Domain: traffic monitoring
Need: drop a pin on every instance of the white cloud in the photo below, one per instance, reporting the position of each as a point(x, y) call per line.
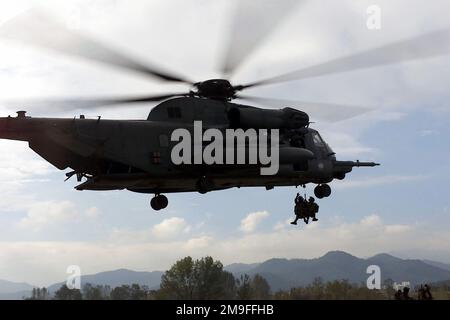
point(399, 228)
point(346, 145)
point(123, 235)
point(375, 181)
point(251, 221)
point(198, 243)
point(45, 262)
point(368, 236)
point(18, 162)
point(279, 226)
point(19, 167)
point(170, 228)
point(371, 221)
point(46, 214)
point(92, 212)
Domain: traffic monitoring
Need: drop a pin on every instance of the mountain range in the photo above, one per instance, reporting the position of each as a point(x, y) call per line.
point(336, 265)
point(14, 290)
point(281, 274)
point(117, 278)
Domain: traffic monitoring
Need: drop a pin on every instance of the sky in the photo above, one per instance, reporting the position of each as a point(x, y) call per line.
point(401, 207)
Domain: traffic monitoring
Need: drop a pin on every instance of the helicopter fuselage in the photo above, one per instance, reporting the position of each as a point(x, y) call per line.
point(136, 154)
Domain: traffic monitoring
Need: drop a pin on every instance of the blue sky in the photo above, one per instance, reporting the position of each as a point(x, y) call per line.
point(400, 207)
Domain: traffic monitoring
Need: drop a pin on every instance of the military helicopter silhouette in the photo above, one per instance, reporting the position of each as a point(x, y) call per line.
point(134, 155)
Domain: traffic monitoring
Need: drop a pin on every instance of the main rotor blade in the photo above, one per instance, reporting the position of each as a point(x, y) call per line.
point(38, 29)
point(322, 111)
point(85, 103)
point(425, 46)
point(253, 21)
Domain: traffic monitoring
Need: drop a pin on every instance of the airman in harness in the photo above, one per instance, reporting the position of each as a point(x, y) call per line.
point(305, 209)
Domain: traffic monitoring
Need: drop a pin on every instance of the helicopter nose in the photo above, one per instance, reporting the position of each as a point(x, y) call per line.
point(295, 155)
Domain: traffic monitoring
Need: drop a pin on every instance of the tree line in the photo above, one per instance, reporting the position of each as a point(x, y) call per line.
point(205, 279)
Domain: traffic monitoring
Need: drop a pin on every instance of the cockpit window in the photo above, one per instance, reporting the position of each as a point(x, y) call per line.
point(318, 140)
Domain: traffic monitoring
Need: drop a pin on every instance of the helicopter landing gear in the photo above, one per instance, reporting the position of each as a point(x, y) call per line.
point(322, 191)
point(159, 202)
point(204, 184)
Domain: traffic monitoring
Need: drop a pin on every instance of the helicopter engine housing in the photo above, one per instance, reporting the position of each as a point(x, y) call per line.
point(287, 118)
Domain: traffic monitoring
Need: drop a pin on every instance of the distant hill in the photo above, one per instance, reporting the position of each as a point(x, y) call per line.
point(338, 265)
point(19, 295)
point(9, 286)
point(287, 273)
point(240, 267)
point(14, 290)
point(416, 271)
point(441, 265)
point(117, 278)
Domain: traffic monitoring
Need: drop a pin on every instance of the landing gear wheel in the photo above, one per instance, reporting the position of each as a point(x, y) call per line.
point(318, 192)
point(322, 191)
point(159, 202)
point(162, 201)
point(326, 190)
point(153, 203)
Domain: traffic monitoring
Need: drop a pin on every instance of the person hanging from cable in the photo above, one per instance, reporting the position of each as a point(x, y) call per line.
point(299, 209)
point(313, 209)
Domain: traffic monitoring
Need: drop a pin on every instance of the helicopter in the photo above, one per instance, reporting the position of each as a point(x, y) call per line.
point(135, 155)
